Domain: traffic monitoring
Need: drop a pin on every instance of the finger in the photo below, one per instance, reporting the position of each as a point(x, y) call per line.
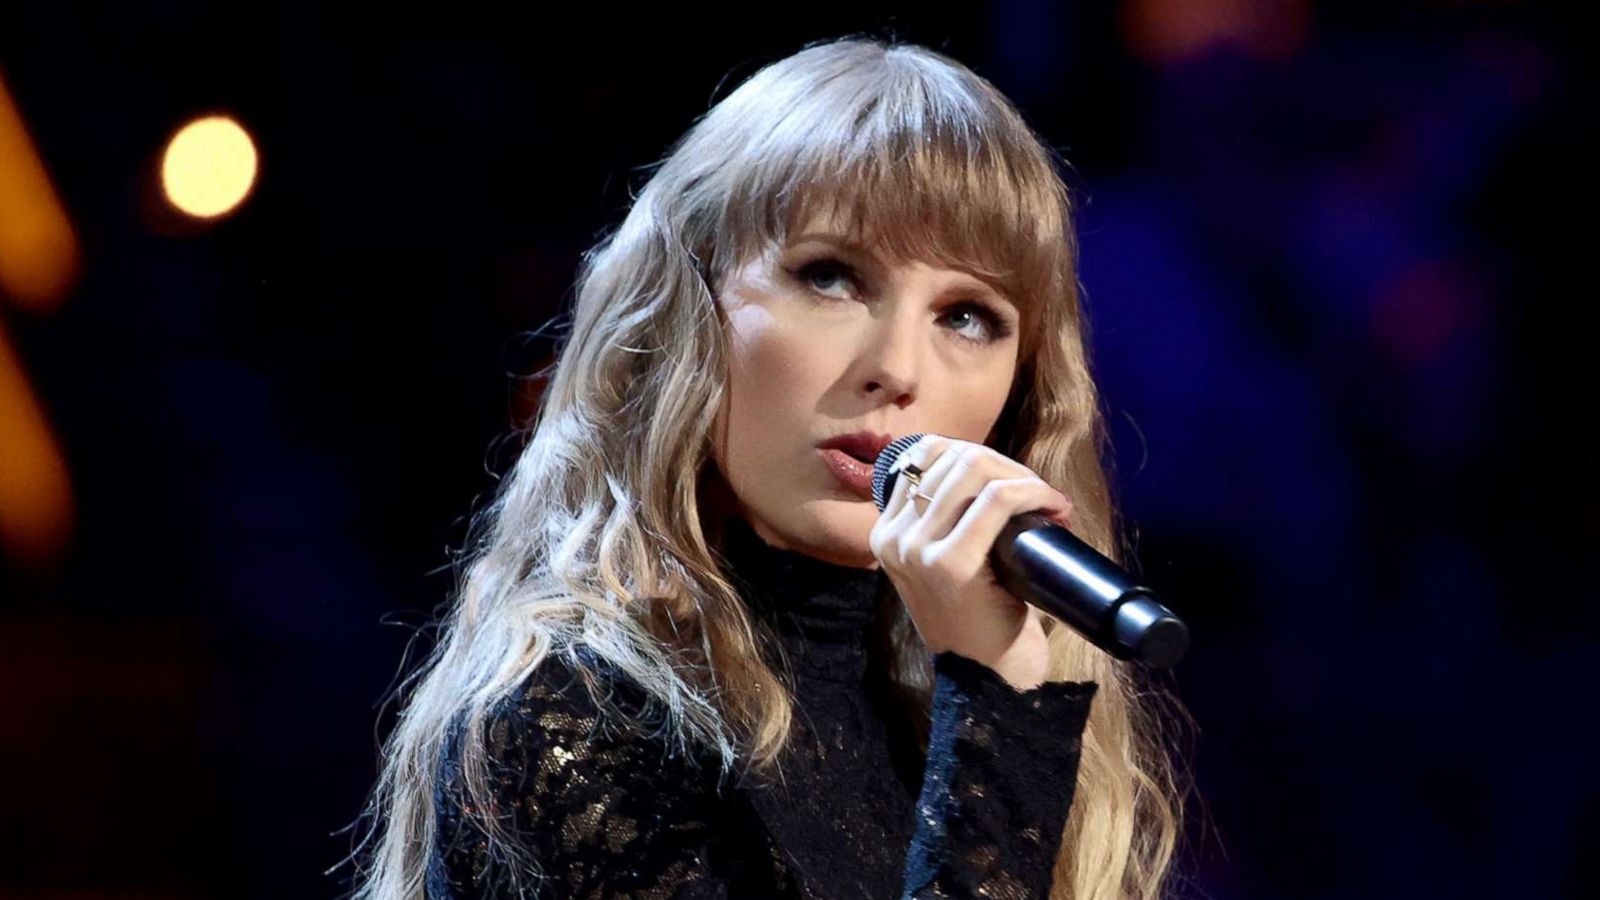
point(924, 454)
point(958, 484)
point(898, 492)
point(893, 520)
point(978, 464)
point(972, 467)
point(944, 456)
point(1063, 518)
point(885, 529)
point(919, 452)
point(897, 496)
point(995, 505)
point(939, 460)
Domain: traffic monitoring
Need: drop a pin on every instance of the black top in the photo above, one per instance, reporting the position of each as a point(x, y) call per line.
point(608, 813)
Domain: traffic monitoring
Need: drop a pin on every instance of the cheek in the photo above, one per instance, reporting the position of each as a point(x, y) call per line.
point(774, 377)
point(774, 365)
point(979, 402)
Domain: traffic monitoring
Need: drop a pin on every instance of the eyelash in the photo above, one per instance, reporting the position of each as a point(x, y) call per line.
point(999, 328)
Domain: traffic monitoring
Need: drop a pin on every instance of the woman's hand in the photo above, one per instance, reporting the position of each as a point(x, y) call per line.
point(938, 558)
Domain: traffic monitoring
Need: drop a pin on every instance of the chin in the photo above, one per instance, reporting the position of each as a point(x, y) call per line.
point(845, 530)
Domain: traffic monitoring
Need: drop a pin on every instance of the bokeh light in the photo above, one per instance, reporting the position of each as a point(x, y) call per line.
point(209, 167)
point(39, 255)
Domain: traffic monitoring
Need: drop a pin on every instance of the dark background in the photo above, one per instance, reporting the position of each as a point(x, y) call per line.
point(1337, 258)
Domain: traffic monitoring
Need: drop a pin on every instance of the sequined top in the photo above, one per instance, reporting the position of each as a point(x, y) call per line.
point(859, 811)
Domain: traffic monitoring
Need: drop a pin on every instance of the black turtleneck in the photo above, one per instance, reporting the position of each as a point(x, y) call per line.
point(611, 813)
point(820, 612)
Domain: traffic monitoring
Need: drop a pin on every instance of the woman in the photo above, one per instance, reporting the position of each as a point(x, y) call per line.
point(690, 657)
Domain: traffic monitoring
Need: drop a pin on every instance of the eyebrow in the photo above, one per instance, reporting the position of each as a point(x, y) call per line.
point(838, 240)
point(853, 246)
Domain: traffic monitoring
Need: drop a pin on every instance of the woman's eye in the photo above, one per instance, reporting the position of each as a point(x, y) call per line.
point(973, 321)
point(824, 271)
point(994, 326)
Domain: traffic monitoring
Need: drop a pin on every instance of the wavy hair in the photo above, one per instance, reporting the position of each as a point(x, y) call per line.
point(602, 538)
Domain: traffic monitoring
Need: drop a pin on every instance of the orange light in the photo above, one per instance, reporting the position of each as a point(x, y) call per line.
point(38, 250)
point(39, 264)
point(36, 505)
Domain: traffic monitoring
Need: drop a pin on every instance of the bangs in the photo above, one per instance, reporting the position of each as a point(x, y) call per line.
point(915, 163)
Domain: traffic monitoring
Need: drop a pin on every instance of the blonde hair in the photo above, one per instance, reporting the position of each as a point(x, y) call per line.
point(598, 539)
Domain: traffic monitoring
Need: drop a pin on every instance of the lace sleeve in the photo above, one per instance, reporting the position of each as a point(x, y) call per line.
point(602, 813)
point(1001, 772)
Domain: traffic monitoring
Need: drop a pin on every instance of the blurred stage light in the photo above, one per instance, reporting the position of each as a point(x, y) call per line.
point(209, 167)
point(1174, 31)
point(38, 249)
point(36, 503)
point(39, 265)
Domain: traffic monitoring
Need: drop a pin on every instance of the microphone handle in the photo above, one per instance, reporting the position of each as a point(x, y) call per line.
point(1044, 564)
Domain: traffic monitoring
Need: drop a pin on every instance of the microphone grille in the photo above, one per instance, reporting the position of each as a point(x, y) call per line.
point(882, 478)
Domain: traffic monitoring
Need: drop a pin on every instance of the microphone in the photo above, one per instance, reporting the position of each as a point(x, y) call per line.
point(1049, 567)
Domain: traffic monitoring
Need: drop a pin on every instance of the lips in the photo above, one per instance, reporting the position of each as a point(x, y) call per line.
point(863, 446)
point(851, 472)
point(850, 457)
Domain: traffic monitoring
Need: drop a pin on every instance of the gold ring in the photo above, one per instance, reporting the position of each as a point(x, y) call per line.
point(913, 474)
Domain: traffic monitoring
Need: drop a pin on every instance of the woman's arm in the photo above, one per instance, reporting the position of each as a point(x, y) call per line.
point(1000, 777)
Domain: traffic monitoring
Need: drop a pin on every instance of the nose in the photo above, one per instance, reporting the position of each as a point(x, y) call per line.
point(891, 355)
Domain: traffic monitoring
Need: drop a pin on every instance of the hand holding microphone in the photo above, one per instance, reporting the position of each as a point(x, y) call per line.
point(936, 554)
point(977, 563)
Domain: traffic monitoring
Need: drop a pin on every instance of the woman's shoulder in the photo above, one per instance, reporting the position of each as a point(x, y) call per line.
point(571, 783)
point(570, 693)
point(559, 743)
point(577, 714)
point(571, 681)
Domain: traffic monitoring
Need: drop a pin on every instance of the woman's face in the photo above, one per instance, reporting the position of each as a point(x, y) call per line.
point(829, 339)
